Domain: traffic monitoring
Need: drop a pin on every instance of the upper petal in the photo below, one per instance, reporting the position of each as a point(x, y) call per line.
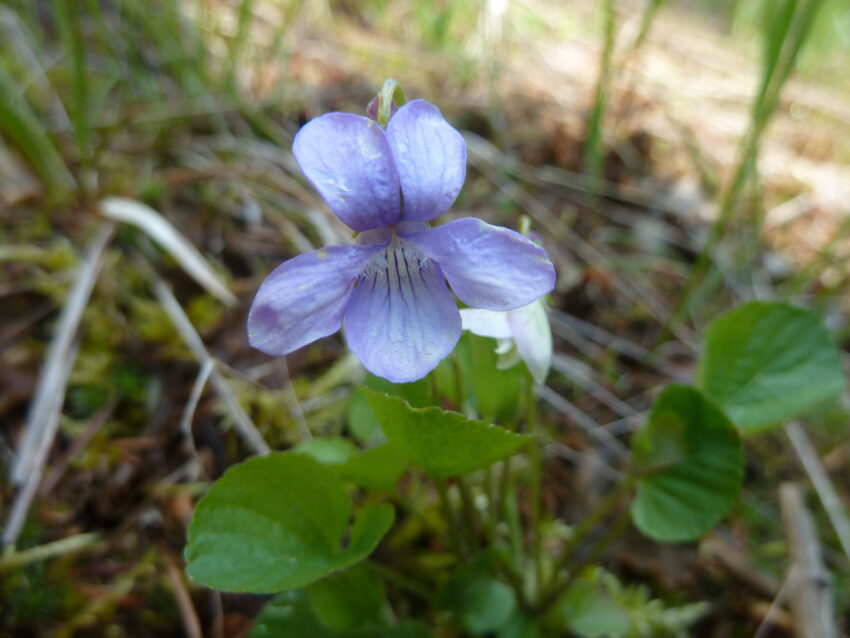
point(486, 323)
point(533, 337)
point(487, 266)
point(304, 298)
point(430, 157)
point(401, 320)
point(348, 160)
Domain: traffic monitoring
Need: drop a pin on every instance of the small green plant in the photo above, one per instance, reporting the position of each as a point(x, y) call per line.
point(303, 523)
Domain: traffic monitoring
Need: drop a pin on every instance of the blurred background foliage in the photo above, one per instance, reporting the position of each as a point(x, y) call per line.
point(677, 156)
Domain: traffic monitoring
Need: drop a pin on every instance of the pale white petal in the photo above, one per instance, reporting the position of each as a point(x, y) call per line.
point(508, 355)
point(486, 323)
point(533, 336)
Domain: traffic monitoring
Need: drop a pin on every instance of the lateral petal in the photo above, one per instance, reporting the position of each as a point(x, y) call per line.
point(304, 298)
point(487, 266)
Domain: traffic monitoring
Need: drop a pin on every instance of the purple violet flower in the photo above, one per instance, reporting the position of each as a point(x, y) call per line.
point(389, 287)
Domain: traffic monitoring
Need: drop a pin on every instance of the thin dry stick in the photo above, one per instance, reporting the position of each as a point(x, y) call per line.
point(188, 615)
point(582, 376)
point(601, 336)
point(189, 412)
point(292, 399)
point(43, 418)
point(57, 471)
point(571, 454)
point(69, 545)
point(244, 426)
point(161, 231)
point(766, 623)
point(589, 425)
point(820, 480)
point(811, 599)
point(49, 393)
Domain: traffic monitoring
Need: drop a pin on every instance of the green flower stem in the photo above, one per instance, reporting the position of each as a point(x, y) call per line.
point(536, 479)
point(395, 576)
point(492, 507)
point(558, 588)
point(451, 518)
point(390, 92)
point(611, 500)
point(504, 486)
point(472, 522)
point(514, 526)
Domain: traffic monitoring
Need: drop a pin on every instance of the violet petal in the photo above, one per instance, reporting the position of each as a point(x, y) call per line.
point(348, 160)
point(304, 298)
point(487, 266)
point(401, 320)
point(430, 157)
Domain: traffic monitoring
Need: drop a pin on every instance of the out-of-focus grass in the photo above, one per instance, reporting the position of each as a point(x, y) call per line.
point(594, 152)
point(787, 27)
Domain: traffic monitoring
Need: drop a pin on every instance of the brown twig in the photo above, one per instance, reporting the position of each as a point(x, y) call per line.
point(820, 480)
point(811, 600)
point(188, 615)
point(243, 424)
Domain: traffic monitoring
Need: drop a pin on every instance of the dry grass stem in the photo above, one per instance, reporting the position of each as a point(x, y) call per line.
point(242, 422)
point(46, 406)
point(835, 509)
point(163, 233)
point(811, 599)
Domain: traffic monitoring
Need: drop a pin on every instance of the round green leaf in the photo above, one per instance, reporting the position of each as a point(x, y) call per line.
point(590, 611)
point(692, 464)
point(441, 443)
point(349, 600)
point(765, 362)
point(275, 523)
point(477, 601)
point(289, 614)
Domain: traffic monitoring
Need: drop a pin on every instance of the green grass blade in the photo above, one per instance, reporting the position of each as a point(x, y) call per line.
point(594, 152)
point(73, 41)
point(22, 130)
point(243, 23)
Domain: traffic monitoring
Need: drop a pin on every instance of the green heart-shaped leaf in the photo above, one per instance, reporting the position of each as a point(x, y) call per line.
point(441, 443)
point(275, 523)
point(328, 450)
point(765, 362)
point(378, 468)
point(362, 422)
point(691, 458)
